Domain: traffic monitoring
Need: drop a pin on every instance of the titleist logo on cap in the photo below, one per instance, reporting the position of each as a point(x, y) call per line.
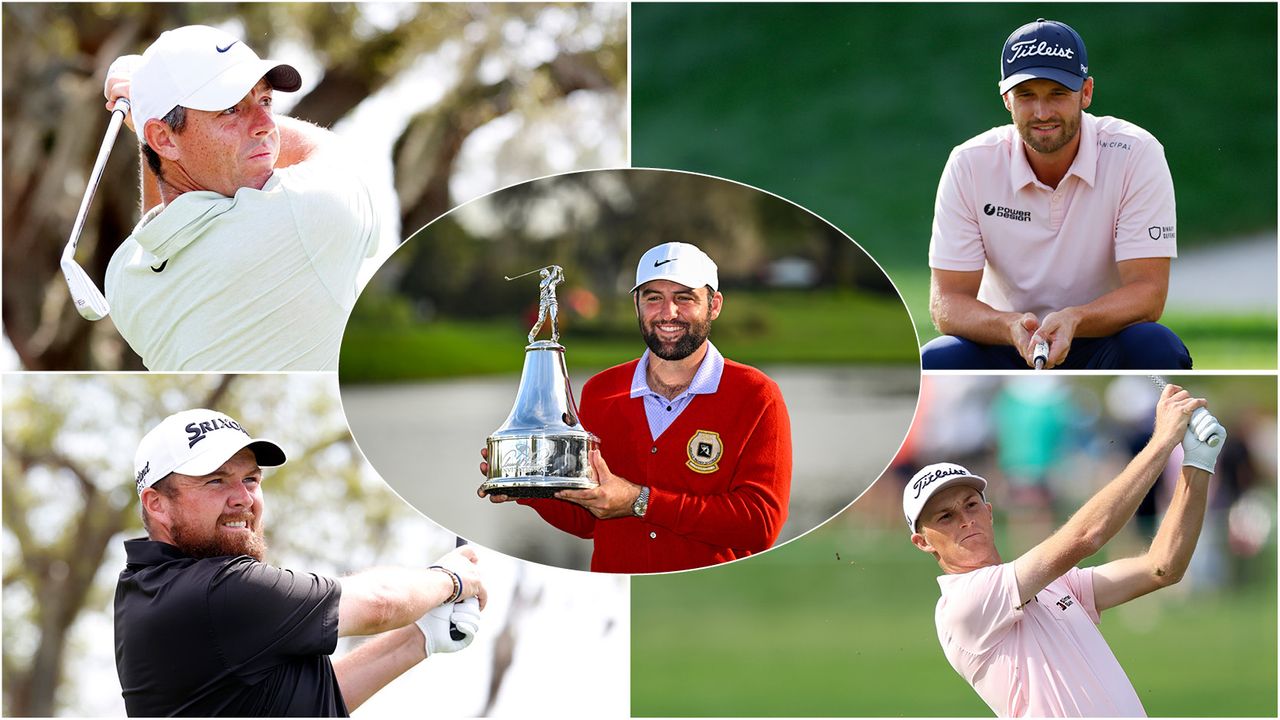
point(1031, 48)
point(197, 431)
point(928, 479)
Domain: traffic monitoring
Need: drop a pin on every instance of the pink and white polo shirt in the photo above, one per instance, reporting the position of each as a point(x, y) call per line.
point(1046, 248)
point(1047, 659)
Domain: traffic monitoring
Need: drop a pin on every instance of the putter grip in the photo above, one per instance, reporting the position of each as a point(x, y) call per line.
point(1214, 439)
point(454, 632)
point(1041, 354)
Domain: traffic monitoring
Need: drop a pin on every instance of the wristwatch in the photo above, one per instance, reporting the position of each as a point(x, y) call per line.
point(641, 505)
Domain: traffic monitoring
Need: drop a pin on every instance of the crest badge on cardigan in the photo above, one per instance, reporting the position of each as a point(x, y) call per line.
point(705, 450)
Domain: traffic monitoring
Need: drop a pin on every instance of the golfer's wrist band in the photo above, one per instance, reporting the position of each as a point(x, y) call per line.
point(457, 583)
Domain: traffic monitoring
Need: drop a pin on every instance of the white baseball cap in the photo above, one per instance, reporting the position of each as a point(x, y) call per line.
point(196, 442)
point(680, 263)
point(201, 68)
point(930, 480)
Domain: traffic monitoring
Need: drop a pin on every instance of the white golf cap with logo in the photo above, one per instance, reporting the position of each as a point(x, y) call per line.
point(931, 479)
point(680, 263)
point(201, 68)
point(196, 442)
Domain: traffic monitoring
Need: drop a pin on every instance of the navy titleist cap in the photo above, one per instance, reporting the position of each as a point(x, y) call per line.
point(1044, 49)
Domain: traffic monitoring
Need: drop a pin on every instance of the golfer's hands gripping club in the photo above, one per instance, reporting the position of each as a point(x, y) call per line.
point(116, 85)
point(453, 625)
point(1052, 339)
point(1173, 413)
point(439, 624)
point(1041, 352)
point(1202, 441)
point(463, 562)
point(1023, 333)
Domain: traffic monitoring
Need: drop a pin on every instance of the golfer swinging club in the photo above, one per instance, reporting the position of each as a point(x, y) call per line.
point(204, 627)
point(548, 278)
point(1025, 633)
point(254, 225)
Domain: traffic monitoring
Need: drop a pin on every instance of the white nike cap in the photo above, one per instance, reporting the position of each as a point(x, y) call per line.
point(201, 68)
point(930, 480)
point(196, 442)
point(680, 263)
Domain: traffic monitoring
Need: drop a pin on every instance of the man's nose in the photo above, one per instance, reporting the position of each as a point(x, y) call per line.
point(241, 496)
point(263, 121)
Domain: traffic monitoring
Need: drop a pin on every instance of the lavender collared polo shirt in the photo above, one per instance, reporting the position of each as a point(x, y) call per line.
point(661, 412)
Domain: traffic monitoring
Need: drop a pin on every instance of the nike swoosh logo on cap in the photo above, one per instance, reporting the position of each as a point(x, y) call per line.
point(155, 269)
point(222, 50)
point(664, 262)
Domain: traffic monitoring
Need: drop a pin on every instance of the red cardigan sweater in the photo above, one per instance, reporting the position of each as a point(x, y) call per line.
point(719, 477)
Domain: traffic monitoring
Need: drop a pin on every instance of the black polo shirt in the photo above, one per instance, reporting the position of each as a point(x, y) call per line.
point(225, 636)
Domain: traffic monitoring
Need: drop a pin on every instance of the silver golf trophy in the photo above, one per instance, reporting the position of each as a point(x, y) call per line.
point(542, 447)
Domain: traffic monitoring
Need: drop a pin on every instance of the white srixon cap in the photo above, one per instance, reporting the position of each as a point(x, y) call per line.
point(201, 68)
point(680, 263)
point(196, 442)
point(930, 480)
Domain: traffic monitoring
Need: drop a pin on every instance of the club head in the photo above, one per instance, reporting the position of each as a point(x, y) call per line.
point(88, 299)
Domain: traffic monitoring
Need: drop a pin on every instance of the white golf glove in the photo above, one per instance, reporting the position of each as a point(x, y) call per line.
point(1195, 443)
point(436, 626)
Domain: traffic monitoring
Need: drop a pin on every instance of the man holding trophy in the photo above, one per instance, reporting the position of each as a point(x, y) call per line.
point(693, 466)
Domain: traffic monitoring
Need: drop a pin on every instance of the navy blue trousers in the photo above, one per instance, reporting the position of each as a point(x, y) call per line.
point(1144, 346)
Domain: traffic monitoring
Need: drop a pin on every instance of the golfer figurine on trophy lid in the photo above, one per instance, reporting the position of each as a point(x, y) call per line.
point(542, 447)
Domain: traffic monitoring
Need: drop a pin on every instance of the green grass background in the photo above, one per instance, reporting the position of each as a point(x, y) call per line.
point(764, 328)
point(851, 111)
point(840, 623)
point(1244, 341)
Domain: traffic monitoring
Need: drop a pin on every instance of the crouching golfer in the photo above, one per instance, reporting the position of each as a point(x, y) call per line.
point(1024, 633)
point(204, 627)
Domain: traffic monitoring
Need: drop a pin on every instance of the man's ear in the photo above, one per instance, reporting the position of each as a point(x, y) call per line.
point(1008, 105)
point(157, 507)
point(1086, 93)
point(919, 541)
point(717, 303)
point(161, 138)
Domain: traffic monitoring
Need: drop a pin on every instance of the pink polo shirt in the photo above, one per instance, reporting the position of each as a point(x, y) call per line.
point(1046, 248)
point(1047, 659)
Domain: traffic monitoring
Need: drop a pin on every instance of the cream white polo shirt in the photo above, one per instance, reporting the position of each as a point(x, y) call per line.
point(260, 281)
point(1046, 659)
point(1043, 248)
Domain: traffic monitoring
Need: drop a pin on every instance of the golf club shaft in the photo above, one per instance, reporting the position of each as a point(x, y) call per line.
point(454, 632)
point(108, 141)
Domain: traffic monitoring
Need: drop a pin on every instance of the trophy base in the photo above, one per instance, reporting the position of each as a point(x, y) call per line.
point(528, 492)
point(543, 488)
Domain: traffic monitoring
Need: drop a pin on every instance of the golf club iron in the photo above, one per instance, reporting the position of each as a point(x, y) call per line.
point(89, 301)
